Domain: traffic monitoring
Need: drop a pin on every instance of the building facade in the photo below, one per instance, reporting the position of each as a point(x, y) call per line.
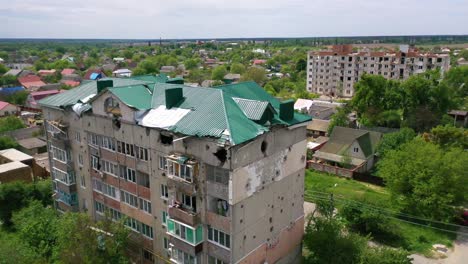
point(202, 175)
point(334, 72)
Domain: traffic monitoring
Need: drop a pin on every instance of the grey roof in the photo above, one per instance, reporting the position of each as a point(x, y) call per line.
point(30, 143)
point(318, 125)
point(14, 165)
point(232, 76)
point(342, 138)
point(15, 155)
point(14, 72)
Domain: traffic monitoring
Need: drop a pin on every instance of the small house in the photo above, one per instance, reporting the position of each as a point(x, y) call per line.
point(348, 148)
point(7, 109)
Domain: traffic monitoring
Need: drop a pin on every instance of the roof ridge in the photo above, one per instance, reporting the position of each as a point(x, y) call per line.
point(228, 125)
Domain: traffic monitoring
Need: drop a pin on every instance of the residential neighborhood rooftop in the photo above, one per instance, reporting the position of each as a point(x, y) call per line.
point(233, 113)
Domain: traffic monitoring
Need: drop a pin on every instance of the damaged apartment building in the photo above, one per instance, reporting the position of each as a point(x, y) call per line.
point(334, 72)
point(201, 175)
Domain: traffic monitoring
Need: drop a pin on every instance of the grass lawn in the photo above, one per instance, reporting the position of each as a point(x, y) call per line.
point(415, 239)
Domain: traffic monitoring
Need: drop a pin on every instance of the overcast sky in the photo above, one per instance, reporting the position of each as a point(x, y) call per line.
point(151, 19)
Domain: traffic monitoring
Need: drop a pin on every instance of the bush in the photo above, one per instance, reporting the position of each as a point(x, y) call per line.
point(371, 222)
point(385, 255)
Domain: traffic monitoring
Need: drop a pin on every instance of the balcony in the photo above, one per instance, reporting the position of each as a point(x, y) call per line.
point(188, 234)
point(186, 216)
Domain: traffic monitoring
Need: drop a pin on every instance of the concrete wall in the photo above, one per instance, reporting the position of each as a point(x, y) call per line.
point(23, 132)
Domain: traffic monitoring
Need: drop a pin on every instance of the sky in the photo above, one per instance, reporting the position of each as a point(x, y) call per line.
point(179, 19)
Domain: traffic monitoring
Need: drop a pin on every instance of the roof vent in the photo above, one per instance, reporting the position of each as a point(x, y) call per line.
point(287, 110)
point(173, 97)
point(103, 84)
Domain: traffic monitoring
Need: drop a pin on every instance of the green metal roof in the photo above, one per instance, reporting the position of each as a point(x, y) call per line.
point(76, 94)
point(160, 78)
point(252, 109)
point(228, 112)
point(136, 96)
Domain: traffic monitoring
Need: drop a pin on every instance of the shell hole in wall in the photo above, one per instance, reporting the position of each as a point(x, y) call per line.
point(264, 146)
point(166, 139)
point(221, 154)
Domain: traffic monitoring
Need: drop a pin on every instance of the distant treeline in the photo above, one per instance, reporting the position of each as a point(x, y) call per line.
point(420, 39)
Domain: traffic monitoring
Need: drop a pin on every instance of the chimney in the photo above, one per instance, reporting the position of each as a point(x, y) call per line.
point(103, 84)
point(286, 110)
point(173, 96)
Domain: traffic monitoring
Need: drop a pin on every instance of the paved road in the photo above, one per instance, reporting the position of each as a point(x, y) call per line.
point(459, 254)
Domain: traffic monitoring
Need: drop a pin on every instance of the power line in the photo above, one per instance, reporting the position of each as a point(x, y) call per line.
point(388, 211)
point(410, 222)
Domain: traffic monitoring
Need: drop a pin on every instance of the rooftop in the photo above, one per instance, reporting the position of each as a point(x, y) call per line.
point(14, 155)
point(31, 143)
point(6, 167)
point(233, 113)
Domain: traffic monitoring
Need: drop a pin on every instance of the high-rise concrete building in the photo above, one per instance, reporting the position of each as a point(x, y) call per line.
point(334, 72)
point(203, 175)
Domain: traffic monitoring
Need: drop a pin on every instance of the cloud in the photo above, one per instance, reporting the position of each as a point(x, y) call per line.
point(218, 18)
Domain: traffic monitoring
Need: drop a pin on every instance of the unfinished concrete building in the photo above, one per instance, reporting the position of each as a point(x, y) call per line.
point(203, 175)
point(334, 72)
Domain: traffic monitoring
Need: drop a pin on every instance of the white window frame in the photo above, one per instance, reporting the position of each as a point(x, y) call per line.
point(128, 174)
point(162, 163)
point(67, 178)
point(110, 168)
point(129, 199)
point(108, 143)
point(95, 162)
point(142, 153)
point(145, 205)
point(80, 160)
point(216, 235)
point(77, 136)
point(147, 231)
point(173, 172)
point(59, 154)
point(164, 192)
point(82, 181)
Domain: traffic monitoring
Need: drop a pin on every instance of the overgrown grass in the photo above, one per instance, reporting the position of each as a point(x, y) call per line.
point(415, 239)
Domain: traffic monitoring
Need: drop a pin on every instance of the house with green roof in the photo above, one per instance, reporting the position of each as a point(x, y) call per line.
point(195, 170)
point(351, 148)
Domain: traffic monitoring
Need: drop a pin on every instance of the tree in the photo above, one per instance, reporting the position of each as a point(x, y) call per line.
point(17, 98)
point(7, 142)
point(191, 63)
point(36, 226)
point(340, 118)
point(449, 137)
point(3, 69)
point(327, 243)
point(301, 65)
point(16, 195)
point(426, 180)
point(93, 242)
point(10, 123)
point(255, 74)
point(218, 73)
point(392, 141)
point(237, 68)
point(13, 250)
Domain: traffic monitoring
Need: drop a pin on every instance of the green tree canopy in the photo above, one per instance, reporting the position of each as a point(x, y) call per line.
point(340, 118)
point(392, 141)
point(7, 142)
point(10, 123)
point(449, 136)
point(426, 180)
point(255, 74)
point(237, 68)
point(36, 226)
point(218, 73)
